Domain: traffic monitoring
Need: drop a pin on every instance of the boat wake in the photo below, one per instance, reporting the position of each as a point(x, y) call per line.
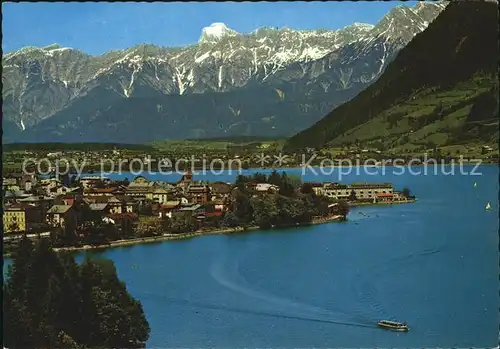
point(365, 289)
point(200, 305)
point(228, 276)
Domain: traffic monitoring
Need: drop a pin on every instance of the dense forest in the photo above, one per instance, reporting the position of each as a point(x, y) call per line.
point(292, 203)
point(50, 301)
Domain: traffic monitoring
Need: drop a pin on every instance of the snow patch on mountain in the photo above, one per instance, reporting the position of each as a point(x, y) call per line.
point(202, 57)
point(363, 26)
point(215, 32)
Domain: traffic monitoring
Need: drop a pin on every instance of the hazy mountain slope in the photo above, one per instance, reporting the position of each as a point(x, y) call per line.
point(60, 93)
point(442, 88)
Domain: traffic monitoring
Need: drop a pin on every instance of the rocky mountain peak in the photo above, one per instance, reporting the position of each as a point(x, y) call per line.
point(215, 32)
point(55, 91)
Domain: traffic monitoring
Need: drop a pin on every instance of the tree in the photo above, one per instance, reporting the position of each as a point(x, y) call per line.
point(438, 109)
point(307, 188)
point(145, 209)
point(275, 179)
point(182, 224)
point(74, 182)
point(259, 177)
point(57, 303)
point(241, 179)
point(241, 207)
point(149, 226)
point(100, 184)
point(343, 208)
point(230, 220)
point(352, 196)
point(406, 192)
point(286, 188)
point(265, 211)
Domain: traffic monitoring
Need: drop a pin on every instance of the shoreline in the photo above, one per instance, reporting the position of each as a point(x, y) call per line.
point(169, 237)
point(201, 171)
point(383, 203)
point(220, 231)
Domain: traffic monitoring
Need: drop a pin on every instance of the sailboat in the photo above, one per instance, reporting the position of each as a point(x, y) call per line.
point(475, 185)
point(488, 206)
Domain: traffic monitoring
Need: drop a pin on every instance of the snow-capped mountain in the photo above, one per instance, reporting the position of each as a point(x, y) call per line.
point(270, 82)
point(216, 32)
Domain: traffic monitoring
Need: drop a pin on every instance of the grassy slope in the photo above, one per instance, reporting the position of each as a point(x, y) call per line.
point(218, 144)
point(414, 123)
point(452, 63)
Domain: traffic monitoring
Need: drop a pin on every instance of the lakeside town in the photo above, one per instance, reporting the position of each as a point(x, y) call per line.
point(96, 211)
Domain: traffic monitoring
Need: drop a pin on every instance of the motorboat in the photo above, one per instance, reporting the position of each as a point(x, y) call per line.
point(394, 325)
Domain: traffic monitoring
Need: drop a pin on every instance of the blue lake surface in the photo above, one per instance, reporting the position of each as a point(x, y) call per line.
point(433, 264)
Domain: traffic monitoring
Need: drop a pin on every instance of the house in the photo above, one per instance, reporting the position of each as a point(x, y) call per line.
point(199, 193)
point(361, 191)
point(141, 187)
point(62, 190)
point(194, 210)
point(90, 181)
point(183, 199)
point(19, 216)
point(220, 189)
point(266, 187)
point(160, 195)
point(251, 185)
point(101, 209)
point(55, 154)
point(139, 181)
point(185, 180)
point(52, 186)
point(12, 196)
point(168, 208)
point(383, 197)
point(398, 196)
point(61, 215)
point(214, 214)
point(370, 190)
point(10, 184)
point(220, 204)
point(129, 205)
point(211, 218)
point(43, 203)
point(69, 199)
point(115, 205)
point(336, 191)
point(108, 191)
point(19, 181)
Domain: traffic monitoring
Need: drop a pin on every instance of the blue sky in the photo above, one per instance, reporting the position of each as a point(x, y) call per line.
point(99, 27)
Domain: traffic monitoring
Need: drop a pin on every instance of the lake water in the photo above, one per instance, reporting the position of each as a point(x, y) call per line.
point(433, 264)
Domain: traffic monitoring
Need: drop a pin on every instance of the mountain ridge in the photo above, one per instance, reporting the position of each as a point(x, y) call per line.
point(422, 99)
point(41, 84)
